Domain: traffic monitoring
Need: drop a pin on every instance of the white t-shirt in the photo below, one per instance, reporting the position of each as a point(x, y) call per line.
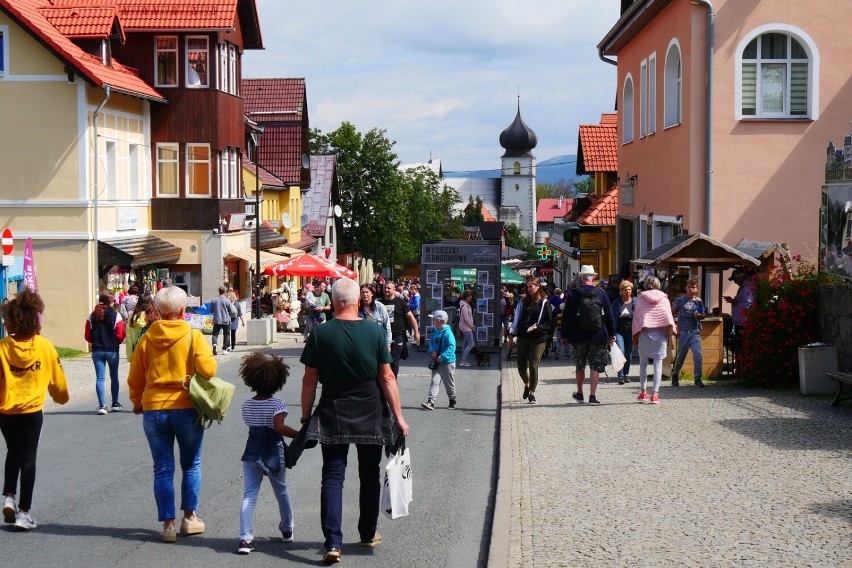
point(262, 412)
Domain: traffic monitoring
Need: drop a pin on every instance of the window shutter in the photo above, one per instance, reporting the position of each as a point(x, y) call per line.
point(799, 89)
point(749, 83)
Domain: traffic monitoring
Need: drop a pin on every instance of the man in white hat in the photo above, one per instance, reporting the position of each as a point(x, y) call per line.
point(588, 325)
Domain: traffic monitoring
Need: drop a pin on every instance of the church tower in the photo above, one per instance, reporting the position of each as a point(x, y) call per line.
point(517, 176)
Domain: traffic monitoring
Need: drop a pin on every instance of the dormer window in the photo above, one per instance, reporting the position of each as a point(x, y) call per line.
point(166, 61)
point(197, 68)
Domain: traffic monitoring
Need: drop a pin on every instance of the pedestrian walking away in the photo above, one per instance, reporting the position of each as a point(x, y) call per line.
point(265, 453)
point(105, 332)
point(588, 325)
point(622, 309)
point(442, 357)
point(532, 326)
point(163, 358)
point(689, 309)
point(237, 320)
point(29, 370)
point(653, 324)
point(359, 404)
point(144, 314)
point(223, 310)
point(398, 314)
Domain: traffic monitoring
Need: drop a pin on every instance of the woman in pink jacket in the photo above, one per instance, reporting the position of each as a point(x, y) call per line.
point(652, 325)
point(466, 326)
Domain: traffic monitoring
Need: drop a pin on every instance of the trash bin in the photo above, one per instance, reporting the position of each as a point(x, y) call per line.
point(814, 362)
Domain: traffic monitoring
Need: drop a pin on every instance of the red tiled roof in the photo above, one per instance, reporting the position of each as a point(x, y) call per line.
point(549, 209)
point(306, 243)
point(486, 215)
point(267, 179)
point(598, 148)
point(82, 22)
point(118, 78)
point(274, 100)
point(168, 14)
point(609, 118)
point(602, 211)
point(281, 151)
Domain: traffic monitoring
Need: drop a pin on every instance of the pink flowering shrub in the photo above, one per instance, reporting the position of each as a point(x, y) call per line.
point(783, 319)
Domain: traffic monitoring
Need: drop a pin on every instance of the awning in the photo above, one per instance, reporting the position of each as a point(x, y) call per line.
point(288, 251)
point(509, 276)
point(250, 256)
point(268, 238)
point(137, 251)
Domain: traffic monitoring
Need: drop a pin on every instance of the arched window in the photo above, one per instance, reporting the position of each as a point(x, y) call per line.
point(776, 74)
point(627, 115)
point(673, 86)
point(516, 168)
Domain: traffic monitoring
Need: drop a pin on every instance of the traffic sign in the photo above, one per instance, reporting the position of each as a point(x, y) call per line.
point(8, 243)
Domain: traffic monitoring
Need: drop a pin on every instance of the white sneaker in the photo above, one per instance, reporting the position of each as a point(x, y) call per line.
point(9, 510)
point(102, 410)
point(24, 521)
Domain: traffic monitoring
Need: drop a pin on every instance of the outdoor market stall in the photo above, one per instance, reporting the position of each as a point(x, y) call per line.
point(710, 256)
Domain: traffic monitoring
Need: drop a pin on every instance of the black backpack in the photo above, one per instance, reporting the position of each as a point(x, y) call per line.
point(590, 311)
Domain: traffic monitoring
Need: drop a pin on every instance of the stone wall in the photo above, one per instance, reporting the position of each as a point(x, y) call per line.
point(835, 320)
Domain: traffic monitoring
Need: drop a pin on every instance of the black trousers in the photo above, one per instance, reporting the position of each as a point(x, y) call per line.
point(396, 352)
point(22, 433)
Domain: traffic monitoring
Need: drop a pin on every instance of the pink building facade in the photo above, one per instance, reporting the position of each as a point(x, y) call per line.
point(780, 87)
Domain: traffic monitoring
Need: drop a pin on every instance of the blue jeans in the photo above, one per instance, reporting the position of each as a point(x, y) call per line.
point(625, 343)
point(688, 341)
point(468, 345)
point(253, 473)
point(102, 359)
point(162, 427)
point(331, 494)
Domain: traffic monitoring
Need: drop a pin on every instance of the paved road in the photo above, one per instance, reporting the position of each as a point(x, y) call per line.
point(95, 504)
point(720, 477)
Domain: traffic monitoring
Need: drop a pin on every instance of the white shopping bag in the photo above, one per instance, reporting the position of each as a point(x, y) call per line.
point(616, 357)
point(396, 489)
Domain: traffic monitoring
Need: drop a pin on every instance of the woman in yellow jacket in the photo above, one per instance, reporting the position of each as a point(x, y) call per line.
point(160, 362)
point(29, 369)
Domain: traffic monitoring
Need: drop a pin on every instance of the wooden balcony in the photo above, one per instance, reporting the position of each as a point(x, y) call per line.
point(177, 214)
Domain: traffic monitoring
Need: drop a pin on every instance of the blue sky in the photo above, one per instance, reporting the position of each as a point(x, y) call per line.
point(443, 77)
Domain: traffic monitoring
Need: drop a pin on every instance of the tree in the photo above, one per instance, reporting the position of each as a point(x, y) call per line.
point(584, 186)
point(473, 211)
point(516, 239)
point(387, 214)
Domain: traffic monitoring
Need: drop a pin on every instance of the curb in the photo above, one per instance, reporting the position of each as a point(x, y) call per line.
point(498, 550)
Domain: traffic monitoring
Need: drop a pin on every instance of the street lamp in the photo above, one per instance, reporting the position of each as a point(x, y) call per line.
point(255, 137)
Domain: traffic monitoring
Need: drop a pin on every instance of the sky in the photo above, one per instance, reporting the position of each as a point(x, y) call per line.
point(443, 78)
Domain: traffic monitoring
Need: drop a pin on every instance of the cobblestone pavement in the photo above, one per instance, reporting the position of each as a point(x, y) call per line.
point(720, 476)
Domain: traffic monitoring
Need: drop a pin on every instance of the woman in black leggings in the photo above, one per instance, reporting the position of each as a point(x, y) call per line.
point(29, 369)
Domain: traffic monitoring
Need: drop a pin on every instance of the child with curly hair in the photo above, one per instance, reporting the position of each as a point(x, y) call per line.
point(265, 452)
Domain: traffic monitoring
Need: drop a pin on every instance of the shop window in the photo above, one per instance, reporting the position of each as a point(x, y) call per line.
point(776, 74)
point(673, 86)
point(197, 62)
point(198, 170)
point(166, 61)
point(167, 170)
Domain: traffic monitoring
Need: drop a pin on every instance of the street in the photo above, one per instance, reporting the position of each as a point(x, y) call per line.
point(95, 506)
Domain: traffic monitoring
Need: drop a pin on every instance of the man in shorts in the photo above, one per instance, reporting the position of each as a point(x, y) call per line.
point(588, 341)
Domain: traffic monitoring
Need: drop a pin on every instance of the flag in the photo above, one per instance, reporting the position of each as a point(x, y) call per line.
point(29, 267)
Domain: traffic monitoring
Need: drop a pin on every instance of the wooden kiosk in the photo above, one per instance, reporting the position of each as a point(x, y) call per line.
point(710, 257)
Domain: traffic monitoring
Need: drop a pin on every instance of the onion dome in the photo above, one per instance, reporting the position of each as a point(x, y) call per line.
point(518, 139)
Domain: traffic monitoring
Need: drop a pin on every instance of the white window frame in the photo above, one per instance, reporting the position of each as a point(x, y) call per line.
point(232, 69)
point(176, 161)
point(222, 65)
point(224, 180)
point(190, 162)
point(157, 52)
point(190, 68)
point(628, 104)
point(812, 52)
point(133, 169)
point(111, 157)
point(233, 161)
point(673, 87)
point(643, 98)
point(4, 51)
point(652, 93)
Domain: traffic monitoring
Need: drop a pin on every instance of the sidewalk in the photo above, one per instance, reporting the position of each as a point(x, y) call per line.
point(720, 476)
point(80, 371)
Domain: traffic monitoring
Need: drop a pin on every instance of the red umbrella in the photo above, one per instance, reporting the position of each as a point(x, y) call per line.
point(309, 265)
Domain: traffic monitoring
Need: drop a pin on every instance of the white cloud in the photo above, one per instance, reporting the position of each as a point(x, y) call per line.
point(443, 77)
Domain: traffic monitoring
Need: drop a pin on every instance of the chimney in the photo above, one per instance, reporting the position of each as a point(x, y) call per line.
point(559, 203)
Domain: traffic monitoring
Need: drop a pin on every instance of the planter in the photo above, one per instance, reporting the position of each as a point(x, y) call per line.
point(814, 363)
point(260, 331)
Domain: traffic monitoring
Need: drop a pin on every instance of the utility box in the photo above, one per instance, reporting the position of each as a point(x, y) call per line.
point(814, 363)
point(260, 331)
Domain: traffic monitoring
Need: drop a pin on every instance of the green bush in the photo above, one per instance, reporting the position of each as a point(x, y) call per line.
point(783, 319)
point(68, 353)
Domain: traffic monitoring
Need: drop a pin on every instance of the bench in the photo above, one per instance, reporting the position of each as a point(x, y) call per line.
point(841, 379)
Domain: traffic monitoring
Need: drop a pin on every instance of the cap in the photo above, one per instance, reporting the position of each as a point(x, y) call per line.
point(736, 273)
point(440, 315)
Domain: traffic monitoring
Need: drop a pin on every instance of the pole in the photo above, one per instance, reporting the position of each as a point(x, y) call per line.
point(257, 311)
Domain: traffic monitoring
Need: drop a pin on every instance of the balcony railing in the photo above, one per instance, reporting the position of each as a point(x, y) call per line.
point(838, 172)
